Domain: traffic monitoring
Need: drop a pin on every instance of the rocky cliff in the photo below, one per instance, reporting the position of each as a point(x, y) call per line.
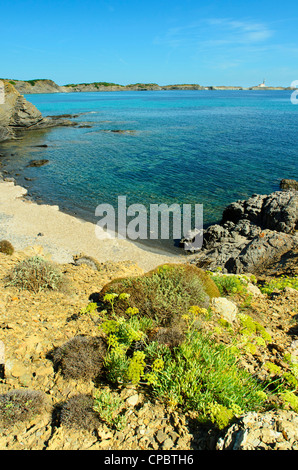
point(17, 115)
point(49, 86)
point(37, 86)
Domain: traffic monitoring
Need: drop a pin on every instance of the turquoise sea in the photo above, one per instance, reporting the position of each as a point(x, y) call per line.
point(188, 147)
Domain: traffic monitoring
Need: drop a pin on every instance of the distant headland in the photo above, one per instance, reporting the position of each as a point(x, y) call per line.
point(49, 86)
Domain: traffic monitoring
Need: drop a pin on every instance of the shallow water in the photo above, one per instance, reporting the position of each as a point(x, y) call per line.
point(188, 147)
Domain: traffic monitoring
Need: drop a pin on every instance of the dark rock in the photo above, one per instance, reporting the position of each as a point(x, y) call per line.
point(252, 234)
point(37, 163)
point(280, 211)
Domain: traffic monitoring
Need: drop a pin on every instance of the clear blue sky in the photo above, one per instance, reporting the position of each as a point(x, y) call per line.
point(168, 41)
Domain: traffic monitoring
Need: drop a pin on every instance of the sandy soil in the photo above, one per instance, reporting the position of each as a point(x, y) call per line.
point(25, 223)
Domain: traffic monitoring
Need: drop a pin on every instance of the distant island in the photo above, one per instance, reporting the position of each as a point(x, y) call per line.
point(49, 86)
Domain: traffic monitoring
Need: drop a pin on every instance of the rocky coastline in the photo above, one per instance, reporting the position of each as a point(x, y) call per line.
point(17, 115)
point(49, 86)
point(255, 243)
point(255, 235)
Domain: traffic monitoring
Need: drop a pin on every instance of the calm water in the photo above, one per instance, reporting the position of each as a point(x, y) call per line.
point(195, 147)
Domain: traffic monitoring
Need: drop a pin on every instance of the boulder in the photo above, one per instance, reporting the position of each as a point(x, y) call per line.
point(252, 234)
point(225, 309)
point(289, 184)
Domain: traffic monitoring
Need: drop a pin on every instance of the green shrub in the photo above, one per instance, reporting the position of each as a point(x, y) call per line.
point(164, 293)
point(199, 373)
point(6, 247)
point(188, 370)
point(20, 405)
point(109, 407)
point(229, 284)
point(279, 284)
point(37, 274)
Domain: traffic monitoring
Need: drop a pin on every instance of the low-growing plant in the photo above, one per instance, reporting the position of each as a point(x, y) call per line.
point(230, 284)
point(290, 399)
point(109, 407)
point(123, 337)
point(200, 372)
point(78, 413)
point(20, 405)
point(6, 247)
point(279, 284)
point(163, 294)
point(192, 373)
point(250, 327)
point(80, 358)
point(37, 274)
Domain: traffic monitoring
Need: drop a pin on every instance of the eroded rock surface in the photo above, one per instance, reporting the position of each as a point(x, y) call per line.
point(252, 234)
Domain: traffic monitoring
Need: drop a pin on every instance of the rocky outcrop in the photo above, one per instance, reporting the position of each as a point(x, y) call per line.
point(289, 184)
point(251, 235)
point(274, 430)
point(49, 86)
point(37, 86)
point(17, 114)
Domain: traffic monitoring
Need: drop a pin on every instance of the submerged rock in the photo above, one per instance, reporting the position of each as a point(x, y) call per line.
point(37, 163)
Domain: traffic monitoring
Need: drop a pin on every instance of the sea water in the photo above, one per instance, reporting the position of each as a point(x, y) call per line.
point(205, 147)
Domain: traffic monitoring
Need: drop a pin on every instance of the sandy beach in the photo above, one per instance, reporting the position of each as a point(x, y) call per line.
point(25, 223)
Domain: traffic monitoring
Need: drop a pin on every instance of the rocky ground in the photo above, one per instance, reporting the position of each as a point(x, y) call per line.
point(31, 325)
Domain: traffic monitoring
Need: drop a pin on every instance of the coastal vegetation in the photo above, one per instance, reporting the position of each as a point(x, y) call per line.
point(96, 84)
point(6, 247)
point(36, 274)
point(159, 333)
point(164, 293)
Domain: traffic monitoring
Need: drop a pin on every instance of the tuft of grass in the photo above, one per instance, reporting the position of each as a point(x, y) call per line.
point(20, 405)
point(78, 413)
point(80, 358)
point(6, 247)
point(37, 274)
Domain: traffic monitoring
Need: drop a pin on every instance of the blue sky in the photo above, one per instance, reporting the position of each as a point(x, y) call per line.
point(166, 42)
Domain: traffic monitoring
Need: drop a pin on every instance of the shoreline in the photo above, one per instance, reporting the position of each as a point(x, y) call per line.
point(156, 247)
point(25, 224)
point(49, 86)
